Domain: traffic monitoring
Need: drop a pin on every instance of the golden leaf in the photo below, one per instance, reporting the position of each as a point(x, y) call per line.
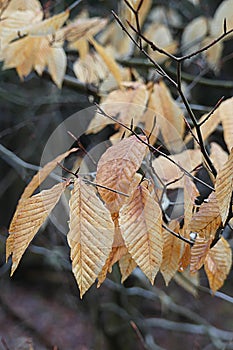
point(190, 194)
point(172, 250)
point(29, 216)
point(168, 171)
point(91, 234)
point(225, 111)
point(140, 220)
point(127, 265)
point(43, 173)
point(193, 34)
point(108, 60)
point(207, 220)
point(217, 155)
point(185, 259)
point(169, 117)
point(218, 264)
point(116, 169)
point(124, 105)
point(224, 187)
point(199, 252)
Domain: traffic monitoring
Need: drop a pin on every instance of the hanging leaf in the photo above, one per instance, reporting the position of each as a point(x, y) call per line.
point(108, 60)
point(224, 187)
point(225, 112)
point(172, 250)
point(116, 169)
point(140, 220)
point(168, 171)
point(127, 265)
point(91, 234)
point(43, 174)
point(124, 105)
point(207, 220)
point(190, 194)
point(218, 264)
point(218, 155)
point(29, 216)
point(199, 252)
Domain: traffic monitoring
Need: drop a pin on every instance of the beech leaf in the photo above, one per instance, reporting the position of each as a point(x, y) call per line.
point(90, 236)
point(140, 220)
point(29, 216)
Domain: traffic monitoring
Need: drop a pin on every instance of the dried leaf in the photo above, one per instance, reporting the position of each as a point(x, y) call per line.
point(207, 220)
point(224, 187)
point(225, 111)
point(29, 216)
point(190, 194)
point(217, 155)
point(161, 36)
point(43, 174)
point(185, 259)
point(108, 60)
point(169, 117)
point(91, 234)
point(172, 250)
point(193, 34)
point(140, 220)
point(124, 105)
point(218, 264)
point(224, 11)
point(57, 65)
point(116, 169)
point(127, 265)
point(199, 252)
point(168, 171)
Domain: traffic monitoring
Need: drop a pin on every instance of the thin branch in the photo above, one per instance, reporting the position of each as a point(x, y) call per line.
point(153, 149)
point(75, 4)
point(212, 111)
point(186, 240)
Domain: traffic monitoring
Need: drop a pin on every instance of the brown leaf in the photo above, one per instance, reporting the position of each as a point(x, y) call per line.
point(127, 265)
point(91, 234)
point(225, 112)
point(124, 105)
point(116, 169)
point(217, 155)
point(207, 220)
point(140, 220)
point(218, 264)
point(199, 252)
point(172, 250)
point(44, 173)
point(224, 187)
point(168, 171)
point(190, 194)
point(29, 216)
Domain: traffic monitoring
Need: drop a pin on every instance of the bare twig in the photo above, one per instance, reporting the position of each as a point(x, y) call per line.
point(212, 111)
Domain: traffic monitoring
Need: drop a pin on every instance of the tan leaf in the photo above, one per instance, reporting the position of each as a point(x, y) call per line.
point(116, 169)
point(91, 234)
point(193, 34)
point(224, 11)
point(124, 105)
point(168, 171)
point(140, 220)
point(224, 187)
point(185, 258)
point(29, 216)
point(190, 194)
point(43, 174)
point(108, 60)
point(218, 264)
point(213, 54)
point(208, 127)
point(225, 111)
point(161, 36)
point(57, 65)
point(217, 155)
point(127, 265)
point(207, 220)
point(172, 250)
point(169, 117)
point(46, 27)
point(199, 252)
